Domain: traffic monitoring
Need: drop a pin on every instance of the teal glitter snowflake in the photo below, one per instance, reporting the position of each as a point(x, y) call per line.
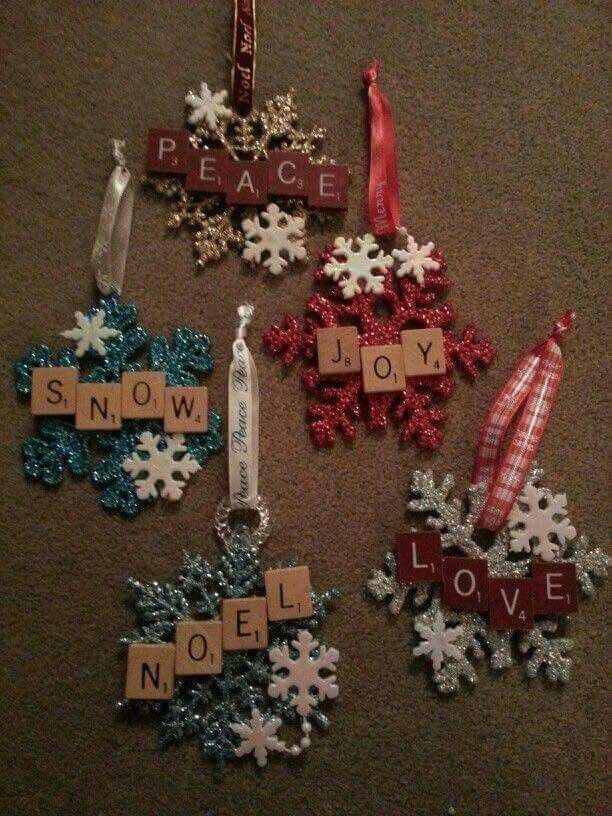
point(109, 342)
point(214, 709)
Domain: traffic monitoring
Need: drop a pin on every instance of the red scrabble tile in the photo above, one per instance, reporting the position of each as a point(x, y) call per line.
point(246, 182)
point(287, 173)
point(206, 171)
point(418, 557)
point(328, 186)
point(465, 583)
point(510, 603)
point(167, 151)
point(554, 587)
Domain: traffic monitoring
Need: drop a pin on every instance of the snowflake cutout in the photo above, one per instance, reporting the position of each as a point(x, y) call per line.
point(415, 260)
point(283, 234)
point(538, 521)
point(354, 270)
point(258, 737)
point(438, 641)
point(303, 673)
point(90, 333)
point(160, 465)
point(207, 107)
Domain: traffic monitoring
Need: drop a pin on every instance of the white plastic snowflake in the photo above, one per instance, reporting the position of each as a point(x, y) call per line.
point(282, 234)
point(538, 521)
point(438, 641)
point(354, 270)
point(258, 737)
point(90, 332)
point(160, 466)
point(303, 673)
point(207, 106)
point(415, 259)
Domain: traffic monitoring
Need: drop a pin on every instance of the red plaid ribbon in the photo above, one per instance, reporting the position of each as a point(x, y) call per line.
point(534, 381)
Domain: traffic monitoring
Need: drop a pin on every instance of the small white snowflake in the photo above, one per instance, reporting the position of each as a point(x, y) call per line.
point(258, 737)
point(282, 234)
point(160, 466)
point(438, 641)
point(303, 673)
point(415, 259)
point(354, 270)
point(538, 521)
point(207, 106)
point(90, 332)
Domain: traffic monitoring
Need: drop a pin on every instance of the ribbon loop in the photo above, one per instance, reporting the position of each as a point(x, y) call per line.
point(243, 61)
point(113, 234)
point(534, 381)
point(383, 187)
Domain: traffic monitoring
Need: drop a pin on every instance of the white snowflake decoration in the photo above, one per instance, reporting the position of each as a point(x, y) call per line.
point(415, 259)
point(157, 472)
point(282, 234)
point(90, 333)
point(355, 270)
point(303, 673)
point(208, 106)
point(258, 737)
point(538, 522)
point(438, 641)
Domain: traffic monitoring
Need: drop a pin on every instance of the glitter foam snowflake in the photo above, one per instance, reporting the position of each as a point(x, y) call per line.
point(280, 235)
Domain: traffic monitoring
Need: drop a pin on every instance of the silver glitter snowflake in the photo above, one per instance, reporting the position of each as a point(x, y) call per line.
point(472, 639)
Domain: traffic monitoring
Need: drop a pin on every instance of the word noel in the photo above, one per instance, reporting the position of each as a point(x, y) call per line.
point(511, 602)
point(199, 644)
point(283, 173)
point(102, 406)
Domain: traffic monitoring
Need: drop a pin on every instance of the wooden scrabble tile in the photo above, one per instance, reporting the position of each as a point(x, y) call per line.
point(554, 587)
point(246, 182)
point(465, 583)
point(245, 623)
point(382, 369)
point(53, 391)
point(206, 171)
point(287, 173)
point(198, 647)
point(186, 409)
point(328, 186)
point(423, 352)
point(98, 407)
point(143, 394)
point(150, 671)
point(167, 151)
point(288, 593)
point(338, 350)
point(510, 603)
point(418, 557)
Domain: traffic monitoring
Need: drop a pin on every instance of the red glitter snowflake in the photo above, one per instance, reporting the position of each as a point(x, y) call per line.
point(340, 400)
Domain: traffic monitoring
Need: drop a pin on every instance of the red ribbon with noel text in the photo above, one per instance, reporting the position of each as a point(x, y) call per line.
point(534, 382)
point(243, 58)
point(383, 188)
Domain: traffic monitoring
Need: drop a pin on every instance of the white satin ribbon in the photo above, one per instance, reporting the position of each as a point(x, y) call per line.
point(113, 234)
point(243, 419)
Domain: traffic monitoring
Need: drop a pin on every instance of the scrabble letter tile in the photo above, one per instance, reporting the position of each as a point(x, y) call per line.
point(423, 352)
point(287, 173)
point(328, 186)
point(198, 647)
point(554, 588)
point(418, 557)
point(142, 394)
point(382, 369)
point(288, 593)
point(186, 409)
point(245, 624)
point(338, 350)
point(167, 151)
point(206, 171)
point(150, 671)
point(510, 603)
point(53, 391)
point(98, 407)
point(465, 583)
point(246, 182)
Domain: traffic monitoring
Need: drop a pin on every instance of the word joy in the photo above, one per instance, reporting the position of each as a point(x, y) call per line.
point(199, 644)
point(510, 602)
point(102, 406)
point(283, 173)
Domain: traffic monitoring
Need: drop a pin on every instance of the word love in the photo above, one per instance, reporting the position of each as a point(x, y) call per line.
point(199, 644)
point(511, 602)
point(284, 173)
point(102, 406)
point(383, 368)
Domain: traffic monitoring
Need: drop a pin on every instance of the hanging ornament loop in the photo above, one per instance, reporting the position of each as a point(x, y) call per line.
point(243, 56)
point(110, 249)
point(534, 382)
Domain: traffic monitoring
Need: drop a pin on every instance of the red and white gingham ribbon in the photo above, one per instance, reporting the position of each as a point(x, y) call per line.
point(534, 381)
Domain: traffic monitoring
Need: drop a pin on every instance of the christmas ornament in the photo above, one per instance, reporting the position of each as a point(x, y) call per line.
point(240, 684)
point(126, 453)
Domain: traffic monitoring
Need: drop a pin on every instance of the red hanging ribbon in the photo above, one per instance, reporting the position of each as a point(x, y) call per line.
point(534, 381)
point(383, 188)
point(243, 62)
